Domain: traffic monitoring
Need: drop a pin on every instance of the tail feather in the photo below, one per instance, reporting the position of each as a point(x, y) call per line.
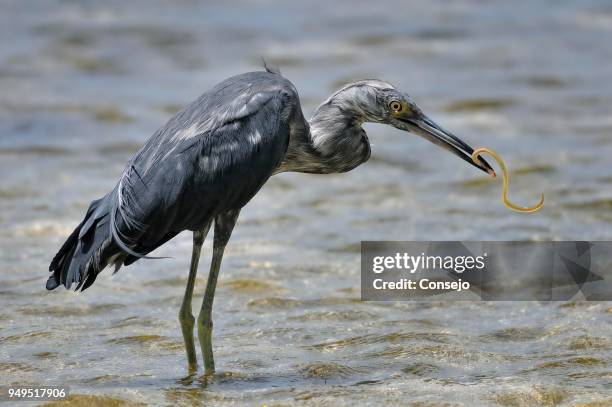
point(86, 252)
point(62, 259)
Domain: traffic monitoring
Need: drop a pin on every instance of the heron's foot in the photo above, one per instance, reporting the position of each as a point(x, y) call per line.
point(189, 379)
point(208, 376)
point(205, 335)
point(206, 379)
point(187, 323)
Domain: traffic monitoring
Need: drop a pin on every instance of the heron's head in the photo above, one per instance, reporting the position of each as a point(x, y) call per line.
point(380, 102)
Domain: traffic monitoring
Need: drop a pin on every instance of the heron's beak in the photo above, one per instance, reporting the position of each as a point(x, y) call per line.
point(428, 129)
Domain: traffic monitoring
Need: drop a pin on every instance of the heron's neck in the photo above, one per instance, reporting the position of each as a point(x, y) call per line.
point(334, 142)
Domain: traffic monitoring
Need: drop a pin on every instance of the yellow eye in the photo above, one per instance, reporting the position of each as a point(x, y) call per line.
point(395, 106)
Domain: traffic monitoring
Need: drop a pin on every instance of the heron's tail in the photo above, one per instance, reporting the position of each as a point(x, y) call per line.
point(87, 251)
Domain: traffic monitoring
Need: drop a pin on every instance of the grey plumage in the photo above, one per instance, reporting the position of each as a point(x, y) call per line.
point(212, 157)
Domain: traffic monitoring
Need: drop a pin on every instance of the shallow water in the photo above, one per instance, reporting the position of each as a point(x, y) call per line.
point(84, 83)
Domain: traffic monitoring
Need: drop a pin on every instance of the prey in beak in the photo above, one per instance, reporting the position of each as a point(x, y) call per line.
point(408, 117)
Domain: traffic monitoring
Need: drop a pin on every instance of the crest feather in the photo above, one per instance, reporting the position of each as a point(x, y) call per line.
point(269, 68)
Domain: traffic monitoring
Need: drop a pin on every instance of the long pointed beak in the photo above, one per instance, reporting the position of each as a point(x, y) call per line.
point(428, 129)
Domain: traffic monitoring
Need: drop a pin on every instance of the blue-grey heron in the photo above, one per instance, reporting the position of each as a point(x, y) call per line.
point(212, 157)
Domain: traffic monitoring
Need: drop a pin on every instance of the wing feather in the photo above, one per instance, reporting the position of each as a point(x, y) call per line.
point(217, 152)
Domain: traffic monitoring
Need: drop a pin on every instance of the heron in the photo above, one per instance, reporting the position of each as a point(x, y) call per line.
point(205, 164)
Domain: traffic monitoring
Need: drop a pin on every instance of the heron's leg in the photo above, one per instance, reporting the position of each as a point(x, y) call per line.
point(224, 224)
point(185, 316)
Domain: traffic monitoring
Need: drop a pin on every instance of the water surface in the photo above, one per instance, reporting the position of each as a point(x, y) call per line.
point(85, 83)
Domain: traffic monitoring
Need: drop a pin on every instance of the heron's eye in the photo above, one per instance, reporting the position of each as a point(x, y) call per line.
point(395, 106)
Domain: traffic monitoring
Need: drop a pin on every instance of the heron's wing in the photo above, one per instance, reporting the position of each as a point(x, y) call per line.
point(212, 156)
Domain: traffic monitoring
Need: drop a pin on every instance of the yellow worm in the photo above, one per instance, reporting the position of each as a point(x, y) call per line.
point(506, 180)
